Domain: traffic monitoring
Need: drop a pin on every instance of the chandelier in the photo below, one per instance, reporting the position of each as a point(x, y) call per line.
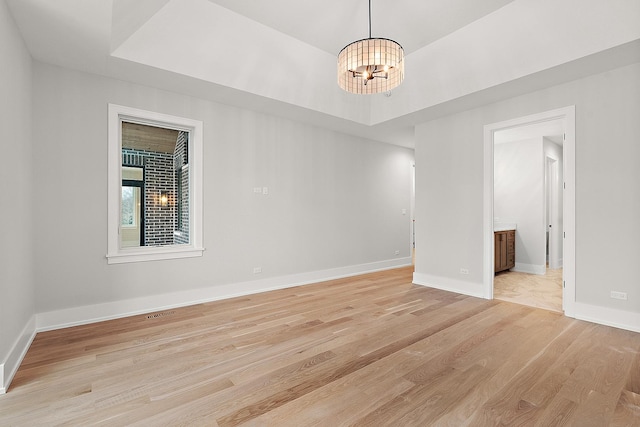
point(371, 65)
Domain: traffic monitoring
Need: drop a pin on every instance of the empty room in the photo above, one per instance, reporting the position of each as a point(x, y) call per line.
point(361, 213)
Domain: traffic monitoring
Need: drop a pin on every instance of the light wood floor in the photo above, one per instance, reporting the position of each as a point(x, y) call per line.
point(535, 290)
point(371, 350)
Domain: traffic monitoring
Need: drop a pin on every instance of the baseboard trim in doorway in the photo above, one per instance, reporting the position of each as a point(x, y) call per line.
point(540, 269)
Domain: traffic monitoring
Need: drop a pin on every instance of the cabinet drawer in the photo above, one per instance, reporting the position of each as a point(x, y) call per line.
point(505, 250)
point(511, 241)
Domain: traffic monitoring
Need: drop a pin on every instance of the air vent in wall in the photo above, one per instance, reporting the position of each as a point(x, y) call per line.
point(158, 315)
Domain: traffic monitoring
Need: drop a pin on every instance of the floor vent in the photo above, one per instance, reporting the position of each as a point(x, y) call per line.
point(159, 315)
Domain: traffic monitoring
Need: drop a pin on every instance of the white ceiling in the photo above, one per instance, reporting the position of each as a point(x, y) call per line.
point(332, 24)
point(279, 56)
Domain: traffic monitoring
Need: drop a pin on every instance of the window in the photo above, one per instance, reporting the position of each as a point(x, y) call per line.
point(155, 186)
point(130, 202)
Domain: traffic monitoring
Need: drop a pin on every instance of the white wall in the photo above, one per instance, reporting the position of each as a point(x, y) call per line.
point(554, 151)
point(449, 188)
point(16, 244)
point(518, 198)
point(334, 201)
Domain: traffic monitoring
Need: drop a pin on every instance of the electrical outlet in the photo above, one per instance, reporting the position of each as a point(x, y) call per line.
point(619, 295)
point(265, 190)
point(464, 271)
point(397, 252)
point(257, 270)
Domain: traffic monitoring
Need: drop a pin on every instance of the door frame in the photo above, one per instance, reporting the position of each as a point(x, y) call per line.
point(567, 115)
point(552, 214)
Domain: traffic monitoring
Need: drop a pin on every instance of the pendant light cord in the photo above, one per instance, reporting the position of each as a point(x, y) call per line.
point(369, 18)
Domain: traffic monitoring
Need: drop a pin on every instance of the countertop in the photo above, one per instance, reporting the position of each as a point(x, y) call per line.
point(504, 226)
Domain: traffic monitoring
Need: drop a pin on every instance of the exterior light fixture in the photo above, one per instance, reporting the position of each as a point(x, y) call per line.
point(371, 65)
point(164, 199)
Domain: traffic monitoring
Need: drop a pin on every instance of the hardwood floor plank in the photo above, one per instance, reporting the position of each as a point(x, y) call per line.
point(633, 381)
point(507, 362)
point(559, 412)
point(627, 412)
point(367, 350)
point(386, 371)
point(508, 405)
point(597, 410)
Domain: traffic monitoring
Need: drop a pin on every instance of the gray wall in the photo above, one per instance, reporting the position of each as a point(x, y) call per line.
point(518, 170)
point(334, 200)
point(449, 185)
point(16, 243)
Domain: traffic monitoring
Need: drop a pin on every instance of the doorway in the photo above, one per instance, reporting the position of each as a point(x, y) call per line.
point(553, 212)
point(525, 201)
point(556, 171)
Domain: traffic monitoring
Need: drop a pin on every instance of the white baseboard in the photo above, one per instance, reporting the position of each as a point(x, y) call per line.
point(592, 313)
point(607, 316)
point(530, 268)
point(10, 366)
point(452, 285)
point(112, 310)
point(560, 265)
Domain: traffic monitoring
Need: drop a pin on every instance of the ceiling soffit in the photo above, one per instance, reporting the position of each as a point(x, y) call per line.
point(414, 24)
point(210, 42)
point(281, 60)
point(129, 15)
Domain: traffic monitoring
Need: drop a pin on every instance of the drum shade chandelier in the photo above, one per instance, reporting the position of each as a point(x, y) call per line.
point(371, 65)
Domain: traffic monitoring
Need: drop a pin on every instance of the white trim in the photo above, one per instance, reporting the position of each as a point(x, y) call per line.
point(115, 254)
point(10, 365)
point(567, 114)
point(451, 285)
point(488, 260)
point(112, 310)
point(607, 316)
point(530, 268)
point(569, 213)
point(163, 252)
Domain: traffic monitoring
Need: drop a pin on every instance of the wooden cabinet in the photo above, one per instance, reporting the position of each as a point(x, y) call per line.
point(505, 250)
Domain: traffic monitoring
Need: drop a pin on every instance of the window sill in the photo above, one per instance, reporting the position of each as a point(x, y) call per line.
point(153, 254)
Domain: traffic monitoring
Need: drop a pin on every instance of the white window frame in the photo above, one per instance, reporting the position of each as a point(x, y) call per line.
point(118, 255)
